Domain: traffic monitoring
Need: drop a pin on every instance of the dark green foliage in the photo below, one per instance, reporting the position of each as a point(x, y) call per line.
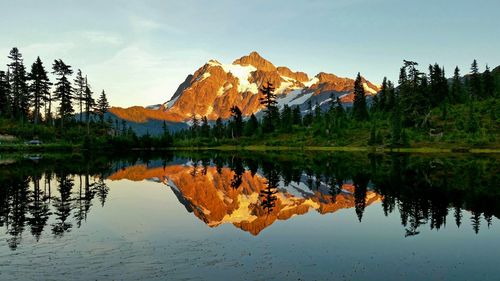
point(251, 126)
point(102, 105)
point(457, 93)
point(296, 116)
point(80, 88)
point(18, 86)
point(64, 91)
point(271, 113)
point(218, 130)
point(359, 109)
point(4, 95)
point(236, 122)
point(286, 118)
point(39, 88)
point(488, 83)
point(475, 90)
point(205, 127)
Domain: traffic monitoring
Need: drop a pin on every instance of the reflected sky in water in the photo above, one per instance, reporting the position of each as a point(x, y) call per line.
point(333, 217)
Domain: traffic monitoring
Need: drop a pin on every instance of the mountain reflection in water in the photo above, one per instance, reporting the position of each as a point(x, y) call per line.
point(254, 191)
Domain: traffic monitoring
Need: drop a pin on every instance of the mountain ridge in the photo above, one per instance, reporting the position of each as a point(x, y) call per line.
point(215, 87)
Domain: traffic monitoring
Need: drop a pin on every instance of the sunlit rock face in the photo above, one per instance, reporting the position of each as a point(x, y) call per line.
point(219, 196)
point(215, 87)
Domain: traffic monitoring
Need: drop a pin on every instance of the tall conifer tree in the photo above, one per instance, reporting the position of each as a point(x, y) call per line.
point(359, 104)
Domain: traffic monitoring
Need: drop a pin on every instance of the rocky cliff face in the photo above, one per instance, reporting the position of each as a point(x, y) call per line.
point(215, 87)
point(211, 195)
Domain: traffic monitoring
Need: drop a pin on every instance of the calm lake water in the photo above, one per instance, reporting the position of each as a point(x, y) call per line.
point(250, 216)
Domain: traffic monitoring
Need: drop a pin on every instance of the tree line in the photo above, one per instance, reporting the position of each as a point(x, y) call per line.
point(407, 107)
point(30, 96)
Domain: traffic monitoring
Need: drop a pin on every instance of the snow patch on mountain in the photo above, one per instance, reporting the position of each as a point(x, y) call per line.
point(243, 74)
point(311, 82)
point(171, 102)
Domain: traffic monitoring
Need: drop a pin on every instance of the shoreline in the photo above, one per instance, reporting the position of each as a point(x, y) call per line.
point(369, 149)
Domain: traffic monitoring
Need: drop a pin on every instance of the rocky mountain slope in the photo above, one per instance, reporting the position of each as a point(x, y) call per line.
point(215, 87)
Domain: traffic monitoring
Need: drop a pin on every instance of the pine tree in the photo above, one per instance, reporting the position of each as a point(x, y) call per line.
point(80, 87)
point(382, 96)
point(488, 83)
point(4, 95)
point(296, 115)
point(64, 91)
point(102, 105)
point(271, 114)
point(457, 91)
point(18, 85)
point(251, 126)
point(237, 122)
point(205, 127)
point(39, 88)
point(218, 129)
point(359, 104)
point(195, 125)
point(390, 101)
point(475, 81)
point(286, 118)
point(89, 103)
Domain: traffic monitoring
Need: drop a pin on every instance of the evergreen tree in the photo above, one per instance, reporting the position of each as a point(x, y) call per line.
point(205, 128)
point(488, 83)
point(89, 103)
point(80, 87)
point(63, 92)
point(39, 87)
point(195, 125)
point(359, 104)
point(286, 118)
point(457, 91)
point(237, 122)
point(271, 113)
point(390, 101)
point(381, 102)
point(317, 113)
point(102, 105)
point(18, 85)
point(218, 129)
point(4, 95)
point(475, 81)
point(251, 126)
point(296, 115)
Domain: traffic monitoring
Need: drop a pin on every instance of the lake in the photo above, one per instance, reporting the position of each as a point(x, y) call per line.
point(250, 216)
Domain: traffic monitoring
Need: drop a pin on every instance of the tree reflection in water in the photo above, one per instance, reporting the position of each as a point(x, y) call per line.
point(423, 190)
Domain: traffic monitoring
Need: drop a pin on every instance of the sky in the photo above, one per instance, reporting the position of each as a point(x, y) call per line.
point(140, 51)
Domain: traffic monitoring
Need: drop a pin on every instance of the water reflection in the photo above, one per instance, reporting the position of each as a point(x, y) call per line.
point(253, 191)
point(34, 196)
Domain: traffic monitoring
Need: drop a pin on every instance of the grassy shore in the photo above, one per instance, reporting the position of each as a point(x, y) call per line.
point(66, 147)
point(341, 148)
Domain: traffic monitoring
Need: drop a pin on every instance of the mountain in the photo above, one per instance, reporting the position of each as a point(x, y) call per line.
point(215, 87)
point(211, 195)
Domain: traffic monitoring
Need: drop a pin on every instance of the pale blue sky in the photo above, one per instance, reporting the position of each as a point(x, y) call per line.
point(140, 51)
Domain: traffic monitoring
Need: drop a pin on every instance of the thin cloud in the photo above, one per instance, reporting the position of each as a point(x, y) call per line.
point(102, 37)
point(140, 24)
